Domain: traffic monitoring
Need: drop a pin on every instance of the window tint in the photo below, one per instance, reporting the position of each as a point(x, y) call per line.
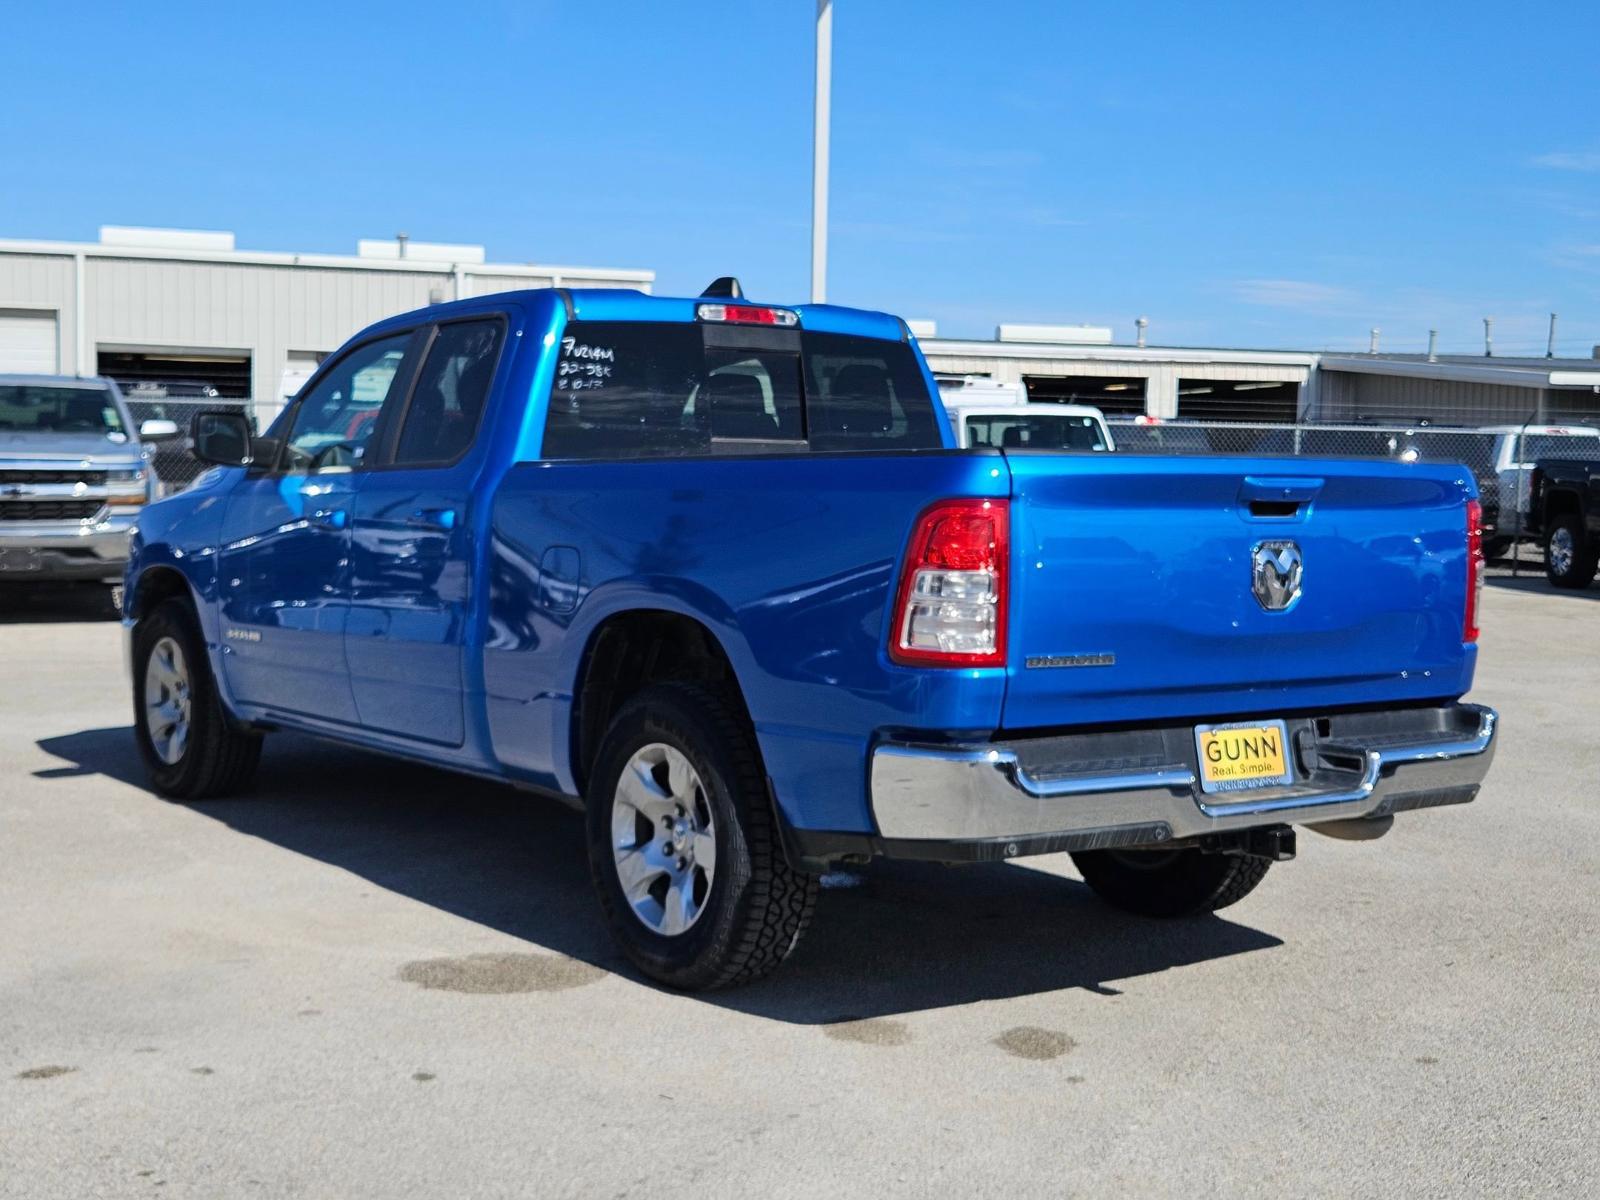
point(863, 394)
point(638, 389)
point(451, 389)
point(1549, 445)
point(334, 422)
point(626, 390)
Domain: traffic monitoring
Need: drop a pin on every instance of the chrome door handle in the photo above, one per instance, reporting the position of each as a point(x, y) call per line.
point(329, 518)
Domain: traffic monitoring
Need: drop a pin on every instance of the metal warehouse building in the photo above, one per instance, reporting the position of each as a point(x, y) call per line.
point(1080, 364)
point(187, 313)
point(179, 313)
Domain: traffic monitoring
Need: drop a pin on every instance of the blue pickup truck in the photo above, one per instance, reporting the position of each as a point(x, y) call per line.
point(717, 573)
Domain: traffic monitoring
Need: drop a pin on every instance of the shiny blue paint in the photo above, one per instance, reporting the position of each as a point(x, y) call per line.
point(1149, 558)
point(449, 619)
point(789, 561)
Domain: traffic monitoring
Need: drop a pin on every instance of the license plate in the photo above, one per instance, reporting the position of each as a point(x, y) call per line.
point(18, 558)
point(1250, 754)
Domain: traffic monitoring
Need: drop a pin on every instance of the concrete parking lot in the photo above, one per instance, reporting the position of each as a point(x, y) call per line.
point(367, 979)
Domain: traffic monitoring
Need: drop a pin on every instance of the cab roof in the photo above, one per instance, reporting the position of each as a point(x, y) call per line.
point(628, 304)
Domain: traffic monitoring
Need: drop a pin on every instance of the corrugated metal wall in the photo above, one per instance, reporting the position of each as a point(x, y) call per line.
point(1353, 396)
point(1161, 386)
point(260, 310)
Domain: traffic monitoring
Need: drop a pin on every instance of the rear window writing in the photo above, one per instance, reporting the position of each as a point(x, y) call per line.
point(648, 389)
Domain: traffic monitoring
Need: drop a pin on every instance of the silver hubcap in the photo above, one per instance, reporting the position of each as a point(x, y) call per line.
point(167, 700)
point(1561, 551)
point(663, 840)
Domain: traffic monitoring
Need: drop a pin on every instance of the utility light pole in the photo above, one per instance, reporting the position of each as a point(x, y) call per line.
point(819, 153)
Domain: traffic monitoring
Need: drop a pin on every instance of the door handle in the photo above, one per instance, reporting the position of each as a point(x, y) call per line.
point(329, 518)
point(433, 518)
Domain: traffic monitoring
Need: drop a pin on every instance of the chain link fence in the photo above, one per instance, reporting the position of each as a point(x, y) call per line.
point(175, 463)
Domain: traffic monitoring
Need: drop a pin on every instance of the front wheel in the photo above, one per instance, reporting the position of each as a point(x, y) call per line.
point(1169, 883)
point(684, 847)
point(1569, 559)
point(190, 746)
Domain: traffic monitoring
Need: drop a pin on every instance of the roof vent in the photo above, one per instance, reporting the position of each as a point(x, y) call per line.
point(725, 288)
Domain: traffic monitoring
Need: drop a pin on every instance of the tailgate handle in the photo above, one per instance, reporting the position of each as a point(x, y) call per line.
point(1277, 495)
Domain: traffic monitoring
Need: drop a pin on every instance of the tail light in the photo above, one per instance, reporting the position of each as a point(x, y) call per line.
point(950, 609)
point(1469, 630)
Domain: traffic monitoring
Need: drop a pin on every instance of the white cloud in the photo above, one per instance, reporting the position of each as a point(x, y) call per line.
point(1299, 294)
point(1570, 160)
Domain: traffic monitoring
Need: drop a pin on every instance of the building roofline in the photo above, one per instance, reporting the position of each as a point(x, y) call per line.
point(959, 347)
point(342, 262)
point(1459, 372)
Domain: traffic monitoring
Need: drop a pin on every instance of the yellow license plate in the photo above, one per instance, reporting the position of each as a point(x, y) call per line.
point(1248, 755)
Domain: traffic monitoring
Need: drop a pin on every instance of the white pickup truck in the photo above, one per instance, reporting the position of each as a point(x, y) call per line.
point(984, 412)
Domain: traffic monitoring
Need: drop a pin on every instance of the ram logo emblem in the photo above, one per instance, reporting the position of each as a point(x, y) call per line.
point(1275, 570)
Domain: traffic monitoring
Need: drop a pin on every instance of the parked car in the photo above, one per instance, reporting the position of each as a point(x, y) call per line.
point(1565, 507)
point(717, 573)
point(74, 473)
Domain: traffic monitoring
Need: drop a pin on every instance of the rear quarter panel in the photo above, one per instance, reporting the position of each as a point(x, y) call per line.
point(789, 561)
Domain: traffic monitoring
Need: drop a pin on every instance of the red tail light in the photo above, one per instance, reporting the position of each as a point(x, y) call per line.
point(950, 609)
point(1469, 631)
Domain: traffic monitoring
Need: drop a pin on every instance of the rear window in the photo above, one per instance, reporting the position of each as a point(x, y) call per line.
point(1551, 445)
point(1029, 432)
point(645, 389)
point(35, 408)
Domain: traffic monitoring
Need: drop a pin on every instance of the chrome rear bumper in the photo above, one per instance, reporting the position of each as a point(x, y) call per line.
point(1080, 793)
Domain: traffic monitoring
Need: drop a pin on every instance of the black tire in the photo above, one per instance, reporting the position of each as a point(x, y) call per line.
point(757, 906)
point(219, 757)
point(1579, 568)
point(1169, 883)
point(1497, 548)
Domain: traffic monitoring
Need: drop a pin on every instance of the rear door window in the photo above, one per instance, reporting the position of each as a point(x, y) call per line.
point(447, 402)
point(645, 389)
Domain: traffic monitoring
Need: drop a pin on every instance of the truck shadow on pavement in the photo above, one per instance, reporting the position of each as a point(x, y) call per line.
point(910, 937)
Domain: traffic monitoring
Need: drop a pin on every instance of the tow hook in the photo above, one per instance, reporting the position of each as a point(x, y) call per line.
point(1275, 843)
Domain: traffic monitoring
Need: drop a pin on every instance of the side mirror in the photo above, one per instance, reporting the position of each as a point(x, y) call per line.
point(222, 438)
point(158, 429)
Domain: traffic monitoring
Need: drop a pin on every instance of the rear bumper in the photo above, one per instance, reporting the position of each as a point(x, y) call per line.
point(67, 551)
point(1140, 787)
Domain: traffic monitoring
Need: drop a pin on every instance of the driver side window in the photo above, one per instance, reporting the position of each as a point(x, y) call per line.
point(334, 422)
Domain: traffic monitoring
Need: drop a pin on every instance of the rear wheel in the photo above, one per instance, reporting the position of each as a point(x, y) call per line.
point(190, 746)
point(1169, 883)
point(684, 847)
point(1569, 557)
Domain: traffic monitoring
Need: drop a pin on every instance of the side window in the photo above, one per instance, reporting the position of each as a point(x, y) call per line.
point(333, 423)
point(447, 403)
point(626, 390)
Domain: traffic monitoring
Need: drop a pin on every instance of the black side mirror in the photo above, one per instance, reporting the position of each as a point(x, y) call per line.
point(223, 438)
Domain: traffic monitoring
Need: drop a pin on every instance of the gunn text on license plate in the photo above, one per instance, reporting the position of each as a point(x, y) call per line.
point(1249, 754)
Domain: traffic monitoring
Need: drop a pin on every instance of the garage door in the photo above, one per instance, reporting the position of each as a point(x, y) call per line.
point(27, 342)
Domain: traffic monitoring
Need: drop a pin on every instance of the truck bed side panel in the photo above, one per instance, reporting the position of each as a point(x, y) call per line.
point(790, 561)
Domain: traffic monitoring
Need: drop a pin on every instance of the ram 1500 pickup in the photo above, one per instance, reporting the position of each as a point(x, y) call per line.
point(717, 573)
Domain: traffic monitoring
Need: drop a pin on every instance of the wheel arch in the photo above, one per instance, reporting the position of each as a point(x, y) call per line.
point(630, 649)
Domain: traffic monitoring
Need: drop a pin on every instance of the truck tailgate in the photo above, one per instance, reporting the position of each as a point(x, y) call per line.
point(1134, 597)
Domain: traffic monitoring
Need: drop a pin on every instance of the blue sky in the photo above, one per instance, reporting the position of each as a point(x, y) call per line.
point(1242, 174)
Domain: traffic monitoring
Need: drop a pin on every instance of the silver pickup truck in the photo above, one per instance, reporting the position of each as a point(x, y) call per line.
point(74, 474)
